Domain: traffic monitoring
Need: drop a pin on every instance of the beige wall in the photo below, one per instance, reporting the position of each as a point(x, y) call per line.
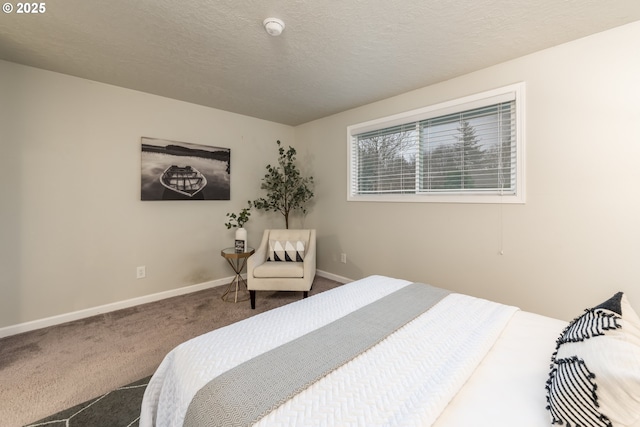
point(577, 238)
point(73, 228)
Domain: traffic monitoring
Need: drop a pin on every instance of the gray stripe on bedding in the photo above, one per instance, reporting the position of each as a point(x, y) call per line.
point(243, 395)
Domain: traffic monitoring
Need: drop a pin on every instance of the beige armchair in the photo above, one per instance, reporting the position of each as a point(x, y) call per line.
point(284, 261)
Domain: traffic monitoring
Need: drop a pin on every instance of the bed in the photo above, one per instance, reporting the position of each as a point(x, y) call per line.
point(377, 351)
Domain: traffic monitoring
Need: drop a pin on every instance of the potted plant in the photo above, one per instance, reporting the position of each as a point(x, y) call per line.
point(238, 221)
point(287, 190)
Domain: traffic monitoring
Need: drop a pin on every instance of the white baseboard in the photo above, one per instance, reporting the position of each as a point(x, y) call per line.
point(88, 312)
point(332, 276)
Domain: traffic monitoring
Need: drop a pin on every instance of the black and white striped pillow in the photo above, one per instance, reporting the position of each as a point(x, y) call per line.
point(595, 370)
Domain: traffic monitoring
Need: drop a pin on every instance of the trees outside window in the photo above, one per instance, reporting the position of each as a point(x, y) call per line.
point(470, 152)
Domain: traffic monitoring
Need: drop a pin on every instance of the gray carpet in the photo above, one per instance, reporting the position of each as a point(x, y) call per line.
point(118, 408)
point(54, 369)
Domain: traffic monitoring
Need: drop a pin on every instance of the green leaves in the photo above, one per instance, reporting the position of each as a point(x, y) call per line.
point(240, 219)
point(287, 190)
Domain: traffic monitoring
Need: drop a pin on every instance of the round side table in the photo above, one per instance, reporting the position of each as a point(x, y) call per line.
point(237, 261)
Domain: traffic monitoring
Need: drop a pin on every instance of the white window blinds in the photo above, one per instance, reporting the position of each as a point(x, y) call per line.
point(470, 148)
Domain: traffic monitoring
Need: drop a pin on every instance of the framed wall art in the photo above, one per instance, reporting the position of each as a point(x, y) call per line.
point(172, 170)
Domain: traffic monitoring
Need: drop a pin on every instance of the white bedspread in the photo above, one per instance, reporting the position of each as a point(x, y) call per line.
point(508, 387)
point(408, 379)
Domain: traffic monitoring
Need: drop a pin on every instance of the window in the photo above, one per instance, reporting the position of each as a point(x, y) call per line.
point(470, 150)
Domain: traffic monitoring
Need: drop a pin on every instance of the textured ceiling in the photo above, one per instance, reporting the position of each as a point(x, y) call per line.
point(333, 54)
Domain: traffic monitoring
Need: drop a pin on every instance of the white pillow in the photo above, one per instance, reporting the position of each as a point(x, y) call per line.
point(595, 371)
point(285, 250)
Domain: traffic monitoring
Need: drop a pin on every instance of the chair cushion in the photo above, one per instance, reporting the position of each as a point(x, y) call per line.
point(285, 250)
point(271, 269)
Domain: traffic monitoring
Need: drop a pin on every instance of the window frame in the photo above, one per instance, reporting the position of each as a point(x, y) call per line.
point(515, 92)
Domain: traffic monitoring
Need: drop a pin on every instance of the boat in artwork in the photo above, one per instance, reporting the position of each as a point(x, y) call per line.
point(186, 180)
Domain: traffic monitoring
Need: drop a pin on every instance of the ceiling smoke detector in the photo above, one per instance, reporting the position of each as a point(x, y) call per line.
point(273, 26)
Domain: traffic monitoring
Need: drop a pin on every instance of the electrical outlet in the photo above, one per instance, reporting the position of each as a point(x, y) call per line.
point(141, 272)
point(343, 258)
